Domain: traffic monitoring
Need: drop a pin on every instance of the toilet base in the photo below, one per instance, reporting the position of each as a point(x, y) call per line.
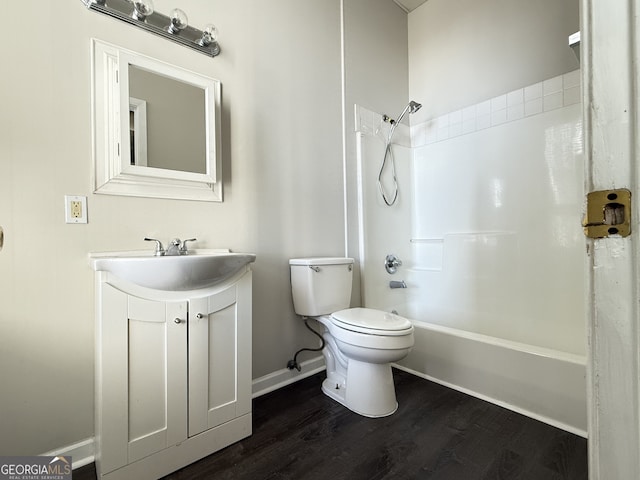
point(368, 389)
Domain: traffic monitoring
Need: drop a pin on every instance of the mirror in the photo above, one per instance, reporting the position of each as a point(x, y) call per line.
point(173, 122)
point(155, 128)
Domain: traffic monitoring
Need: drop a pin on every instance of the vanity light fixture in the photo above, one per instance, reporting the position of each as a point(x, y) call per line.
point(173, 27)
point(209, 34)
point(142, 9)
point(179, 21)
point(210, 38)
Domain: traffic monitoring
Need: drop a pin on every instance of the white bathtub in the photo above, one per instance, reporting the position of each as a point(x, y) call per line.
point(541, 383)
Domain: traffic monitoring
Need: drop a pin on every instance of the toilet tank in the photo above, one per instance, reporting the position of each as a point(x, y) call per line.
point(321, 285)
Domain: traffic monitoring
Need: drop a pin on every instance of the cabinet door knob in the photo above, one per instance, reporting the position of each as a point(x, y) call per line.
point(200, 315)
point(177, 320)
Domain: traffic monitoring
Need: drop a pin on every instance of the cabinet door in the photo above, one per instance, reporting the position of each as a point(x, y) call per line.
point(157, 373)
point(143, 371)
point(220, 356)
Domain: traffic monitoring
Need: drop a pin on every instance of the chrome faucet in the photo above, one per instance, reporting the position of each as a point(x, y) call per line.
point(176, 247)
point(397, 284)
point(179, 247)
point(391, 263)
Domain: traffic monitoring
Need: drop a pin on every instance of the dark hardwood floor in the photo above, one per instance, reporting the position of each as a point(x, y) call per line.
point(437, 433)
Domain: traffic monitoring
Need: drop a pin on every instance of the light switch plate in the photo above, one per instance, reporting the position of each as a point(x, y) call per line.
point(75, 209)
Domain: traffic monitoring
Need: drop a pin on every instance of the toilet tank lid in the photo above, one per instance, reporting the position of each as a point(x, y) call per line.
point(321, 261)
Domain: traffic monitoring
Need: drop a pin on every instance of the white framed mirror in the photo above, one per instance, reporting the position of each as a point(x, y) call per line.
point(156, 127)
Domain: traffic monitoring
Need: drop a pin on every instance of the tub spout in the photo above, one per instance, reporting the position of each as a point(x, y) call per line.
point(396, 284)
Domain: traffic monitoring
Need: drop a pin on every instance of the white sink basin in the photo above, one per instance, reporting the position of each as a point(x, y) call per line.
point(173, 273)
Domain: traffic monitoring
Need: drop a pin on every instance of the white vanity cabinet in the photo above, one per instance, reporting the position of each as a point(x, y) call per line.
point(173, 374)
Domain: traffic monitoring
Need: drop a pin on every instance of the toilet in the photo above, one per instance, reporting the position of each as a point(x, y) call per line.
point(360, 343)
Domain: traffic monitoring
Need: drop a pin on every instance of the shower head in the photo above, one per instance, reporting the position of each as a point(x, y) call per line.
point(412, 107)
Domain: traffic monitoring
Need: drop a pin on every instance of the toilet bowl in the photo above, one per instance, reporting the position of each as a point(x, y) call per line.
point(358, 359)
point(360, 343)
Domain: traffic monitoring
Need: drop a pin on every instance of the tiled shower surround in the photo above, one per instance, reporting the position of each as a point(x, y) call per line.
point(557, 92)
point(488, 220)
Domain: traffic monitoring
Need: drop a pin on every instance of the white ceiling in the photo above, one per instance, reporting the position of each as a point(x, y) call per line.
point(408, 5)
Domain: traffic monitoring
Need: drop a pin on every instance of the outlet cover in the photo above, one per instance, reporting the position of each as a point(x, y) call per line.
point(75, 209)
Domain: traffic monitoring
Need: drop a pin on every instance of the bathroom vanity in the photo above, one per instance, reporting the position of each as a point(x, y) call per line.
point(173, 365)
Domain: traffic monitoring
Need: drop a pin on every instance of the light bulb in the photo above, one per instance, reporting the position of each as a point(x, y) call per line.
point(209, 35)
point(179, 21)
point(142, 9)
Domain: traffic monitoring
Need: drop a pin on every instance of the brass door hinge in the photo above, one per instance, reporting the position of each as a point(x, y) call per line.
point(608, 213)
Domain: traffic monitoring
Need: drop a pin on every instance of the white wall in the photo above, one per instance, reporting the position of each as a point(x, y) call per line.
point(463, 51)
point(283, 183)
point(376, 77)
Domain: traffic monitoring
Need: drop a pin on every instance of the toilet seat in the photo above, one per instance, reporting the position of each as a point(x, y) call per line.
point(371, 322)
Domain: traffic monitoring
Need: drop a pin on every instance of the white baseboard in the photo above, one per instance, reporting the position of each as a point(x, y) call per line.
point(281, 378)
point(82, 453)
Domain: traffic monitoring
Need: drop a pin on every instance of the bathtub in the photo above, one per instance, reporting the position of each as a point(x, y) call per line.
point(541, 383)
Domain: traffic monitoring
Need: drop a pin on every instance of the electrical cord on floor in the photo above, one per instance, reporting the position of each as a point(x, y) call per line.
point(291, 364)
